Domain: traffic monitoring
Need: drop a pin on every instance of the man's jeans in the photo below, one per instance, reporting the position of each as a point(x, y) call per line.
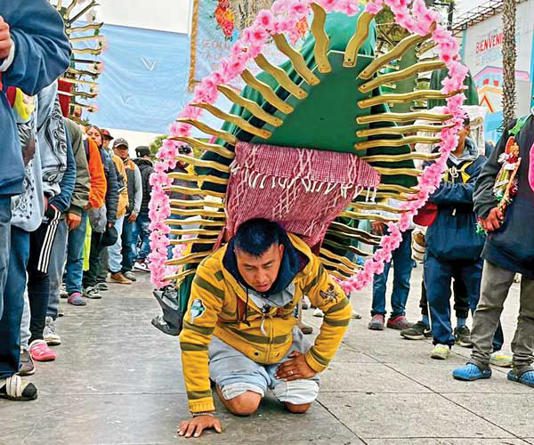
point(74, 268)
point(438, 276)
point(115, 251)
point(496, 283)
point(402, 271)
point(129, 245)
point(5, 240)
point(56, 268)
point(13, 303)
point(142, 236)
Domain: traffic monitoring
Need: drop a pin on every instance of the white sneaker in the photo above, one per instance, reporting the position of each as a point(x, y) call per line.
point(318, 313)
point(142, 266)
point(501, 360)
point(50, 335)
point(441, 352)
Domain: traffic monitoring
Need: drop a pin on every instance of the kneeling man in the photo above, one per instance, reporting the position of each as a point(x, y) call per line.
point(240, 329)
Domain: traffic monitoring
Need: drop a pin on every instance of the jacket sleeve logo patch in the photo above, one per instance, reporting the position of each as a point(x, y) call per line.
point(330, 295)
point(197, 309)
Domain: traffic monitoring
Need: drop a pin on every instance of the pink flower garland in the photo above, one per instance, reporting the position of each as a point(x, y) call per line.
point(283, 18)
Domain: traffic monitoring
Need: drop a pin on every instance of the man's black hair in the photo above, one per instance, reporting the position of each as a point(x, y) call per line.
point(256, 236)
point(467, 121)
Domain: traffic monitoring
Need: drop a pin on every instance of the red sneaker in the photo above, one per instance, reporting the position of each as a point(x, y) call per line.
point(40, 351)
point(399, 323)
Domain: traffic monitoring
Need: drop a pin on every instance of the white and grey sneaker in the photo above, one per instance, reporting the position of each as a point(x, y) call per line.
point(130, 275)
point(92, 293)
point(142, 266)
point(50, 335)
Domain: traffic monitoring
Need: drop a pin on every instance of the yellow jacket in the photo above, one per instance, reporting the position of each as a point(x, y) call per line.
point(123, 193)
point(216, 305)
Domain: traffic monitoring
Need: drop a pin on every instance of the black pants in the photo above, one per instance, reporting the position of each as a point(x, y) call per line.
point(90, 277)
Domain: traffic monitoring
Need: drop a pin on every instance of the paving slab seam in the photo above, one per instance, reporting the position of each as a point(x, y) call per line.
point(454, 402)
point(340, 421)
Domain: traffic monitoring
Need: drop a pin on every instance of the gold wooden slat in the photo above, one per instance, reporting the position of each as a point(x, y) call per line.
point(196, 232)
point(250, 106)
point(396, 142)
point(186, 241)
point(321, 39)
point(225, 136)
point(360, 205)
point(401, 130)
point(194, 212)
point(296, 59)
point(360, 35)
point(403, 46)
point(397, 188)
point(349, 247)
point(403, 117)
point(336, 274)
point(370, 238)
point(338, 266)
point(194, 191)
point(233, 119)
point(88, 38)
point(93, 51)
point(343, 234)
point(414, 156)
point(214, 148)
point(198, 179)
point(80, 82)
point(180, 277)
point(267, 92)
point(393, 195)
point(89, 27)
point(192, 257)
point(420, 67)
point(404, 97)
point(341, 259)
point(281, 77)
point(201, 163)
point(368, 217)
point(80, 13)
point(196, 203)
point(190, 222)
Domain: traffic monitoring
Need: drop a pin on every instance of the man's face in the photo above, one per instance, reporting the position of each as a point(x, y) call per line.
point(261, 272)
point(106, 142)
point(463, 134)
point(121, 151)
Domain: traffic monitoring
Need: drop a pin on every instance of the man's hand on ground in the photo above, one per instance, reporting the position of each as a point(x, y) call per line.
point(493, 221)
point(73, 220)
point(196, 426)
point(295, 369)
point(5, 39)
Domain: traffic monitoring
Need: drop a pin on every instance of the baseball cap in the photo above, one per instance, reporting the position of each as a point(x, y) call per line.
point(142, 151)
point(120, 142)
point(106, 134)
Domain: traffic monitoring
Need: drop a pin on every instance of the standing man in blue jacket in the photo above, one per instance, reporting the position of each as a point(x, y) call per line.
point(453, 244)
point(34, 52)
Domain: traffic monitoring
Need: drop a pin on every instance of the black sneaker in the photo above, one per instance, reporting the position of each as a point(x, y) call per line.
point(463, 337)
point(419, 331)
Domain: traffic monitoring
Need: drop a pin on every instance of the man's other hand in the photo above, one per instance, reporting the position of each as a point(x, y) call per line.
point(133, 217)
point(493, 221)
point(5, 39)
point(378, 228)
point(295, 369)
point(196, 426)
point(73, 220)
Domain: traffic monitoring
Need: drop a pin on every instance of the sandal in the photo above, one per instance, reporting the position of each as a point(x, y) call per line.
point(526, 377)
point(14, 388)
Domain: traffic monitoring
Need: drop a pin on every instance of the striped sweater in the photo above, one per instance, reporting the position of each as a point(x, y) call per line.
point(215, 307)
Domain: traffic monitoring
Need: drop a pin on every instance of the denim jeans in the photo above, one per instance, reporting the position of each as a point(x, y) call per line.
point(142, 235)
point(129, 245)
point(56, 268)
point(115, 251)
point(25, 332)
point(438, 275)
point(5, 239)
point(402, 271)
point(13, 302)
point(74, 268)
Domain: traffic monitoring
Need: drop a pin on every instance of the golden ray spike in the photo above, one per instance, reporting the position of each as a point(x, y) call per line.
point(400, 130)
point(296, 59)
point(89, 27)
point(214, 148)
point(191, 258)
point(176, 242)
point(404, 97)
point(93, 51)
point(403, 46)
point(267, 92)
point(201, 163)
point(375, 206)
point(362, 233)
point(235, 120)
point(190, 222)
point(83, 11)
point(196, 203)
point(321, 39)
point(86, 39)
point(250, 106)
point(180, 277)
point(336, 274)
point(338, 266)
point(204, 213)
point(59, 4)
point(360, 35)
point(196, 232)
point(344, 234)
point(420, 67)
point(368, 216)
point(392, 195)
point(425, 48)
point(193, 191)
point(200, 179)
point(403, 117)
point(396, 142)
point(80, 82)
point(399, 158)
point(281, 77)
point(343, 247)
point(397, 188)
point(343, 260)
point(225, 136)
point(70, 8)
